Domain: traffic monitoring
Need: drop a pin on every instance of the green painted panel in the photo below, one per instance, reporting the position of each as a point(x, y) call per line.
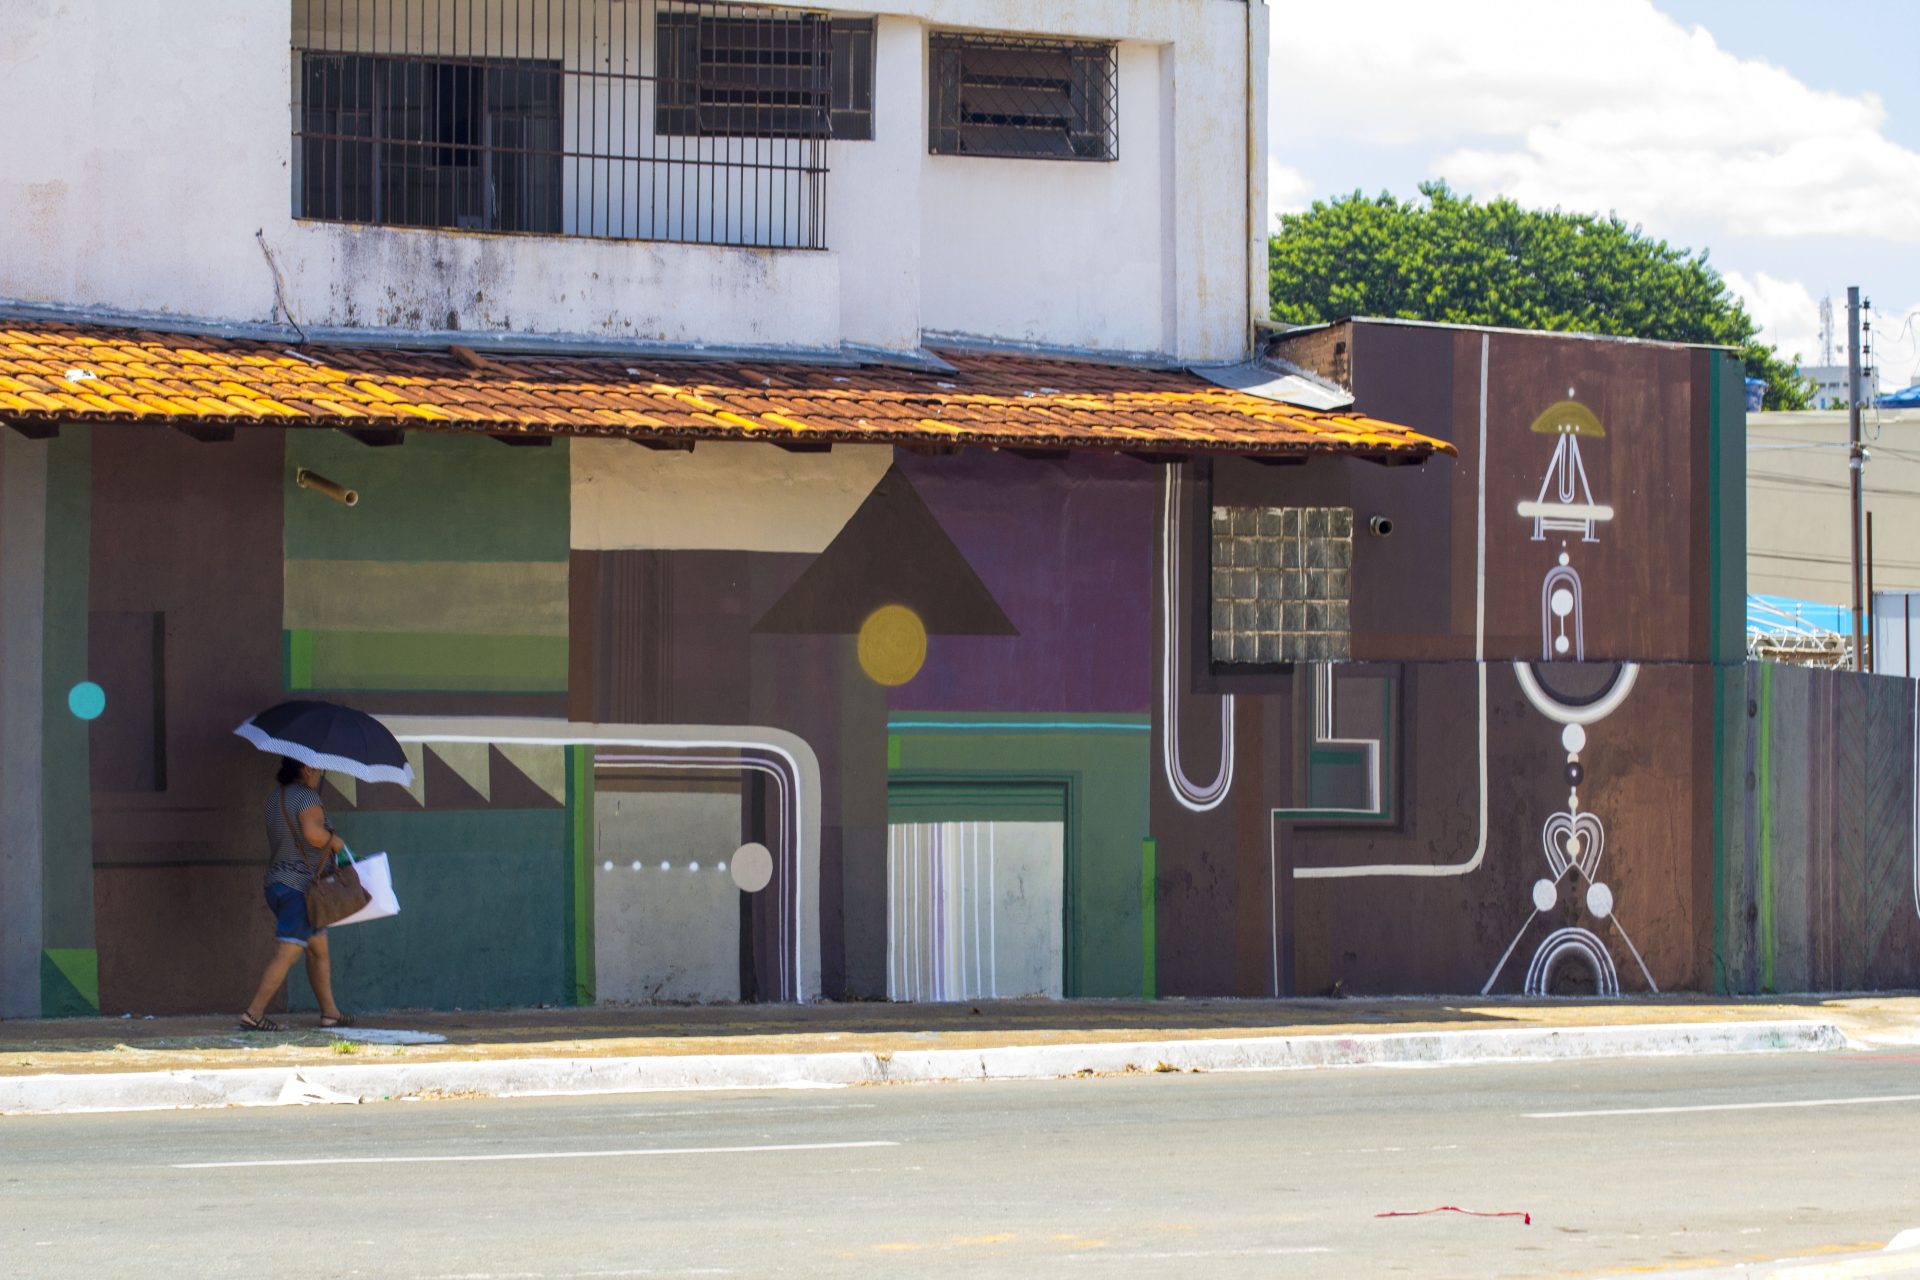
point(1103, 762)
point(449, 597)
point(69, 982)
point(66, 866)
point(987, 801)
point(1149, 919)
point(394, 661)
point(434, 498)
point(483, 918)
point(580, 811)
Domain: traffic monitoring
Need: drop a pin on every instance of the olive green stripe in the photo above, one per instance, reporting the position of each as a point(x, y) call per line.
point(438, 596)
point(394, 662)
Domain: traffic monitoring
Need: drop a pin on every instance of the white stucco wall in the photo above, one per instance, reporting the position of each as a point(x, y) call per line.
point(161, 144)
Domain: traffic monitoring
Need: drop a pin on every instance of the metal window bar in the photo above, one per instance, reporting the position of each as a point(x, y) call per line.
point(695, 121)
point(1025, 99)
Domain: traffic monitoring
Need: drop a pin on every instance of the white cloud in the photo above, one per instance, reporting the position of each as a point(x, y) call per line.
point(1787, 312)
point(1605, 106)
point(1288, 190)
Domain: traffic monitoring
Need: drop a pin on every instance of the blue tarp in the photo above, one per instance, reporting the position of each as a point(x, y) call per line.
point(1779, 613)
point(1905, 398)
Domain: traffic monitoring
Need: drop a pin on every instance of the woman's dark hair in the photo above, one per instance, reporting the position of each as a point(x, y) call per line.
point(289, 771)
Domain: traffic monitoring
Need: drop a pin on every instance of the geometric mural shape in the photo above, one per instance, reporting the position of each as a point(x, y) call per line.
point(892, 645)
point(468, 760)
point(69, 982)
point(892, 552)
point(544, 767)
point(448, 787)
point(345, 784)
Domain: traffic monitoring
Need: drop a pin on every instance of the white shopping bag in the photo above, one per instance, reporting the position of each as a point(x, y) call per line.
point(376, 877)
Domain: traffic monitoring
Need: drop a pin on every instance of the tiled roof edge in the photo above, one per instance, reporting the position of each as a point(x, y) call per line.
point(937, 340)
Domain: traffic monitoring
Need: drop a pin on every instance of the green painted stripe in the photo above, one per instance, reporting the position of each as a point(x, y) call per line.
point(298, 646)
point(1149, 903)
point(580, 960)
point(438, 497)
point(444, 597)
point(372, 661)
point(69, 982)
point(1720, 832)
point(1763, 782)
point(976, 802)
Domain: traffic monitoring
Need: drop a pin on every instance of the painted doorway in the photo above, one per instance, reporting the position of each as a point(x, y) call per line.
point(666, 910)
point(976, 892)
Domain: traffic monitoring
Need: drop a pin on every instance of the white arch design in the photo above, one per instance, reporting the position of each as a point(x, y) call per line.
point(1593, 712)
point(802, 787)
point(1193, 795)
point(783, 849)
point(1558, 575)
point(1559, 943)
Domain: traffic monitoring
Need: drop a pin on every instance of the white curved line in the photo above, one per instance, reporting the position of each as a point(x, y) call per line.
point(804, 768)
point(1591, 714)
point(1572, 939)
point(1480, 662)
point(788, 871)
point(1198, 798)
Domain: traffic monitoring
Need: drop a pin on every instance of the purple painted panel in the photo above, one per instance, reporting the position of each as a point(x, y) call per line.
point(1067, 548)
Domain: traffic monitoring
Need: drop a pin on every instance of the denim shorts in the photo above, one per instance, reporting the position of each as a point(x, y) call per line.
point(289, 907)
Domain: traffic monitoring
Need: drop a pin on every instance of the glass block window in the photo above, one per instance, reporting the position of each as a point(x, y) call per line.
point(1281, 583)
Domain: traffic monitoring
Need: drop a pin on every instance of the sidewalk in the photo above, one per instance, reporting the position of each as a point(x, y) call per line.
point(110, 1064)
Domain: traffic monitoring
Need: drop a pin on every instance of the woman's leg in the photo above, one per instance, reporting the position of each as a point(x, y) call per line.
point(320, 975)
point(284, 954)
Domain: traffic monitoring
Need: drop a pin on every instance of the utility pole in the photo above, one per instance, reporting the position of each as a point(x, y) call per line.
point(1854, 457)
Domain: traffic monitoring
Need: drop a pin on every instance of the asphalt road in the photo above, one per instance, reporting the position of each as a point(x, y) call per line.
point(1629, 1164)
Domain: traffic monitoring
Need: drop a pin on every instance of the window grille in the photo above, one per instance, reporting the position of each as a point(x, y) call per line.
point(1031, 99)
point(575, 117)
point(1281, 583)
point(791, 77)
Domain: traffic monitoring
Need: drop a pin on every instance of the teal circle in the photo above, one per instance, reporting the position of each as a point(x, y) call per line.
point(87, 700)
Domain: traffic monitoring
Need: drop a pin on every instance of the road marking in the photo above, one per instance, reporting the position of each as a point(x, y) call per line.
point(1723, 1106)
point(530, 1155)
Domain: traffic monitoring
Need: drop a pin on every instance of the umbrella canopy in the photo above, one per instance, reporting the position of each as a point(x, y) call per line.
point(322, 735)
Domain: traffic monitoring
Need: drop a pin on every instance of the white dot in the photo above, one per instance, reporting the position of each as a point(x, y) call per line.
point(1600, 900)
point(752, 867)
point(723, 866)
point(693, 866)
point(1562, 602)
point(636, 864)
point(1573, 846)
point(1573, 738)
point(1565, 559)
point(1559, 644)
point(1544, 895)
point(666, 866)
point(608, 867)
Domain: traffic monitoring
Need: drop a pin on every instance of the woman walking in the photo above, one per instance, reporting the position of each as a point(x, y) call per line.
point(300, 841)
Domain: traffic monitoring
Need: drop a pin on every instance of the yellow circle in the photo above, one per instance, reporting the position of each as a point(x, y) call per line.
point(892, 644)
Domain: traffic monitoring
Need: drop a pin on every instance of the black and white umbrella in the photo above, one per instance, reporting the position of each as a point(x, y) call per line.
point(322, 735)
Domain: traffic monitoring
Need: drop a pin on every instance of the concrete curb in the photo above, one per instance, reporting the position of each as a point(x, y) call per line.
point(549, 1077)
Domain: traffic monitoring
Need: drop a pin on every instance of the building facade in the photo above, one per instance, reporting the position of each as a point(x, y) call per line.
point(823, 527)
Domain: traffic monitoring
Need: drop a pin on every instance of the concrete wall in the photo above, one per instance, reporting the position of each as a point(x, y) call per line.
point(1154, 252)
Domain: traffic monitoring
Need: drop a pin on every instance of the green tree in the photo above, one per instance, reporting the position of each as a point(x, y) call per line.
point(1449, 258)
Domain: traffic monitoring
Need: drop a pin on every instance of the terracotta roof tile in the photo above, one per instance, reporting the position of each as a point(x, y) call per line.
point(1001, 400)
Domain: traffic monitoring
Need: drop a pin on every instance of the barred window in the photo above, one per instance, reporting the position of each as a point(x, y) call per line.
point(421, 142)
point(797, 77)
point(1281, 584)
point(697, 121)
point(1032, 99)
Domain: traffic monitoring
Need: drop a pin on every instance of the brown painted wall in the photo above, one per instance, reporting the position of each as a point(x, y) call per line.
point(190, 532)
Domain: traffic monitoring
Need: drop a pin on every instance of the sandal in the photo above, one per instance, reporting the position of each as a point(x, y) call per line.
point(262, 1023)
point(344, 1020)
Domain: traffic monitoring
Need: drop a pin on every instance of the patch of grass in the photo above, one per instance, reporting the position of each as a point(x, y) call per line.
point(345, 1046)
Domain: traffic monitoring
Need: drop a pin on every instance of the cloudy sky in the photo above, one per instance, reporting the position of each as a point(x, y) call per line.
point(1782, 135)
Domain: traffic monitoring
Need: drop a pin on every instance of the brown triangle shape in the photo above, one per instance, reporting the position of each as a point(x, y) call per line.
point(513, 789)
point(446, 789)
point(892, 551)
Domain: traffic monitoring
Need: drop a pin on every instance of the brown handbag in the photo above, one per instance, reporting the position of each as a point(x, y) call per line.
point(336, 891)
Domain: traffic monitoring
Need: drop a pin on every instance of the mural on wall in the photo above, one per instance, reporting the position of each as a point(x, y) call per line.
point(742, 724)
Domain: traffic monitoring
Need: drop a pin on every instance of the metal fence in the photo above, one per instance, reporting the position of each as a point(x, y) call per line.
point(680, 120)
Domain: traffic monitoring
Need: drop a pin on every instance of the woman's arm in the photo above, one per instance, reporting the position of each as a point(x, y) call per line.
point(313, 827)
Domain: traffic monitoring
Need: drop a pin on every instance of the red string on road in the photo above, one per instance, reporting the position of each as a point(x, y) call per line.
point(1526, 1219)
